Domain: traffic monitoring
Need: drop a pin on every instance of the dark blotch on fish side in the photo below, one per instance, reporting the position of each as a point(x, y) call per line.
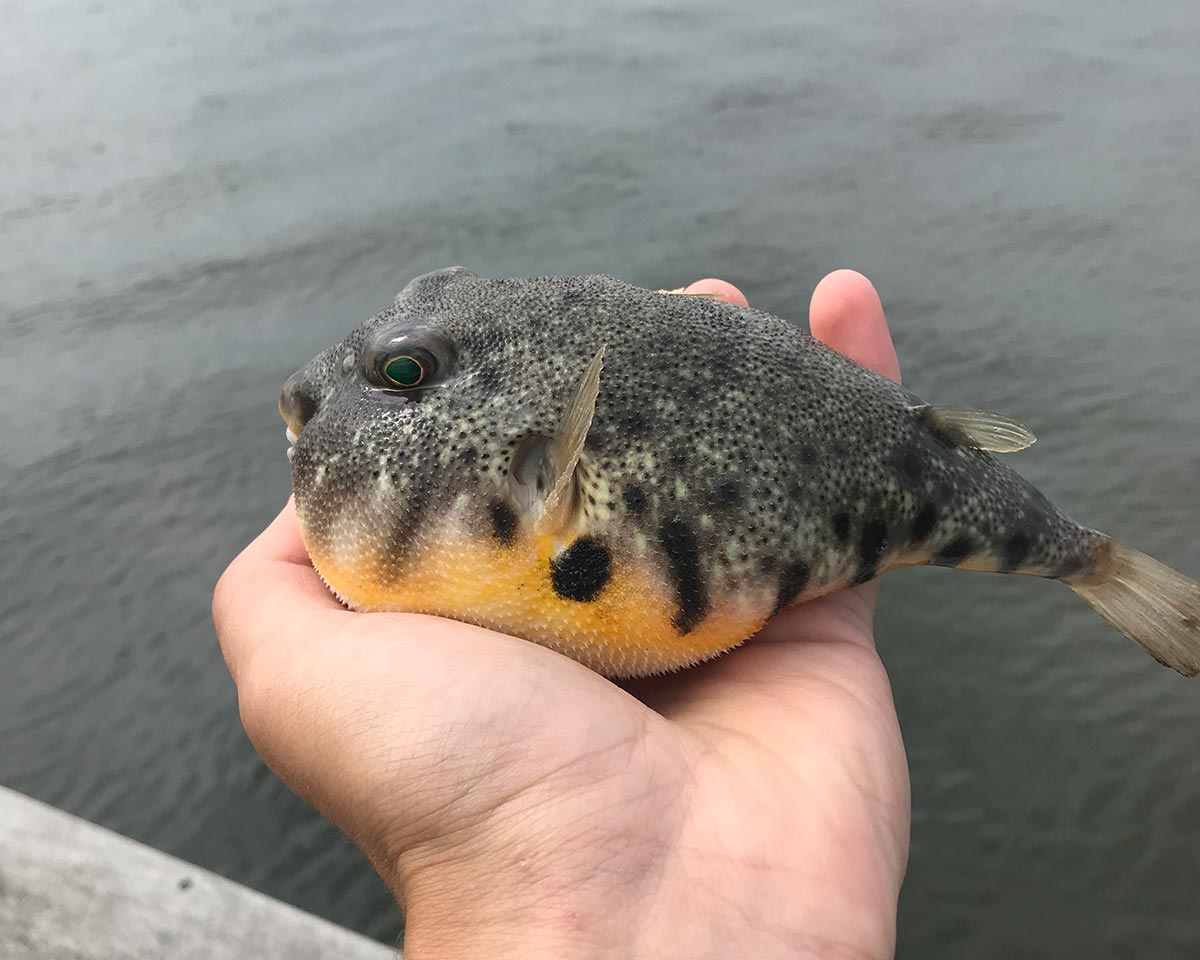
point(792, 582)
point(807, 454)
point(841, 527)
point(871, 546)
point(635, 498)
point(909, 465)
point(728, 493)
point(634, 424)
point(953, 553)
point(679, 543)
point(1071, 566)
point(1016, 549)
point(924, 523)
point(504, 522)
point(581, 571)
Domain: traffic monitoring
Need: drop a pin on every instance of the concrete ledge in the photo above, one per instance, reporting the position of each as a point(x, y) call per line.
point(70, 890)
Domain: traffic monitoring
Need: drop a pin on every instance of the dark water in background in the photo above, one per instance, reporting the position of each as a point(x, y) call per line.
point(194, 198)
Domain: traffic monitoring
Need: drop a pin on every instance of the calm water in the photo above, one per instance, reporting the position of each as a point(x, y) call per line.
point(194, 198)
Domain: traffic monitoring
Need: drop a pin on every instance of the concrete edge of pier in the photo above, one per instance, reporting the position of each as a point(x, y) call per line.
point(70, 890)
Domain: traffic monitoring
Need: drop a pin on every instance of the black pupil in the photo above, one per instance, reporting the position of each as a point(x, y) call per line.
point(404, 371)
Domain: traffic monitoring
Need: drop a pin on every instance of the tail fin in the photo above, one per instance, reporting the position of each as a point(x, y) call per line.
point(1151, 604)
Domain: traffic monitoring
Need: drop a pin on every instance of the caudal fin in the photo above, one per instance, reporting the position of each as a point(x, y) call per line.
point(1151, 604)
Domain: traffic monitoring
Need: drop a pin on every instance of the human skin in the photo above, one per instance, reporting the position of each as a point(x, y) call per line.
point(519, 805)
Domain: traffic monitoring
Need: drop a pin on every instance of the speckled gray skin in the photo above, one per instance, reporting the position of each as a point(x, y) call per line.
point(745, 462)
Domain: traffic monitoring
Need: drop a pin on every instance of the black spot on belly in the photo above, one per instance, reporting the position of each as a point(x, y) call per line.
point(871, 547)
point(924, 523)
point(1016, 549)
point(581, 571)
point(679, 543)
point(909, 465)
point(728, 493)
point(954, 553)
point(792, 582)
point(504, 522)
point(635, 498)
point(841, 527)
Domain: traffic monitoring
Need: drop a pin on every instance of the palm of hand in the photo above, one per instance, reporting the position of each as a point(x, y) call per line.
point(759, 800)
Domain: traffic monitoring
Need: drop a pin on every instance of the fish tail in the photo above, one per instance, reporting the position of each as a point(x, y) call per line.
point(1153, 605)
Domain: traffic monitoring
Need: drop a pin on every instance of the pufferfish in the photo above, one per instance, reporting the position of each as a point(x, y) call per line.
point(640, 479)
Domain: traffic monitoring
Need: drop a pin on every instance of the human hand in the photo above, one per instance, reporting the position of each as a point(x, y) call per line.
point(518, 804)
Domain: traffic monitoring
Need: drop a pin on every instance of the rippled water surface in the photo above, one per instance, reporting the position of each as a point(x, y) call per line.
point(195, 198)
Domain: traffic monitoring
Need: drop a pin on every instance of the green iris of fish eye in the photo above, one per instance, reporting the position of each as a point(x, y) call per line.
point(404, 371)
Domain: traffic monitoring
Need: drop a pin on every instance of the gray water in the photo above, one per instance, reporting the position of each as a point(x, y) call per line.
point(196, 197)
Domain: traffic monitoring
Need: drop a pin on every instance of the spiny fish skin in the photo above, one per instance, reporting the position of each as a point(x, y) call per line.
point(733, 465)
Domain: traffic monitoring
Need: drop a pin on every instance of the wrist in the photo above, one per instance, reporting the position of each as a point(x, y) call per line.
point(496, 892)
point(451, 918)
point(597, 898)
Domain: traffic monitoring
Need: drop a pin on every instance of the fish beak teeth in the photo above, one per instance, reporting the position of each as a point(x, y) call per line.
point(292, 436)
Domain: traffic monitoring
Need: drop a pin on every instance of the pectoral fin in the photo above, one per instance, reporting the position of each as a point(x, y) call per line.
point(977, 428)
point(563, 451)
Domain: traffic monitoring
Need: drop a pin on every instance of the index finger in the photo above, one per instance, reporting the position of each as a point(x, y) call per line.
point(270, 593)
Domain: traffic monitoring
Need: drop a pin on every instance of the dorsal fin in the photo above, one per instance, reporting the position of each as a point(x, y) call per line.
point(564, 450)
point(683, 292)
point(977, 428)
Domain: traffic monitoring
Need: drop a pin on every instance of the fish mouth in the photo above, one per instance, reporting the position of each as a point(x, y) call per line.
point(297, 405)
point(292, 417)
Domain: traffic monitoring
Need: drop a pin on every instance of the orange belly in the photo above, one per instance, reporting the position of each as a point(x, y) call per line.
point(627, 630)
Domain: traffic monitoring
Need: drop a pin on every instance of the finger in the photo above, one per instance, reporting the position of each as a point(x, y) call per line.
point(846, 314)
point(281, 540)
point(271, 595)
point(721, 289)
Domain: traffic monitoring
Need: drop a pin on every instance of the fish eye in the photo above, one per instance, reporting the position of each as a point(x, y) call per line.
point(404, 371)
point(408, 359)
